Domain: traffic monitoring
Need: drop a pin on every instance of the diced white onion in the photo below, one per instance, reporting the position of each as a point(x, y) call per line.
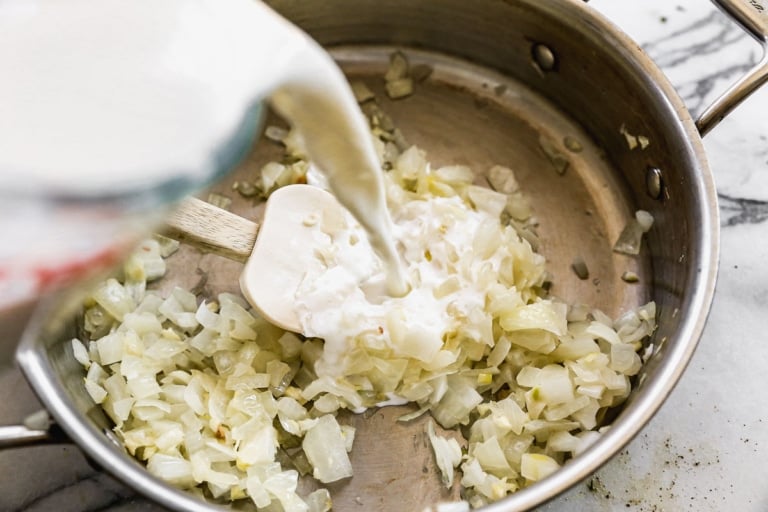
point(325, 448)
point(447, 454)
point(536, 466)
point(202, 391)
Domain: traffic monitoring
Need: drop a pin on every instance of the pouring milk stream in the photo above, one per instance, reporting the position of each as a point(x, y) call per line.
point(109, 100)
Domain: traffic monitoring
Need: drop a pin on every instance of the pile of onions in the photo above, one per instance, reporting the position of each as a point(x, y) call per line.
point(215, 399)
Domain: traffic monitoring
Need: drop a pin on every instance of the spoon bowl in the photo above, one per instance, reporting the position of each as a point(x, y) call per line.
point(298, 221)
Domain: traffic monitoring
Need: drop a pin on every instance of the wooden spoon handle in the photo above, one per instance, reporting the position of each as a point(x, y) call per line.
point(207, 227)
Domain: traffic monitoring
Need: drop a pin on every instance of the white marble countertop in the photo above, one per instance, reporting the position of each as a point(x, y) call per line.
point(704, 450)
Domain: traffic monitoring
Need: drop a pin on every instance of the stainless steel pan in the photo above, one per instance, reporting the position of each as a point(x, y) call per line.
point(529, 84)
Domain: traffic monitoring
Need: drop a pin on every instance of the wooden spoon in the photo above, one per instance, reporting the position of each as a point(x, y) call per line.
point(277, 254)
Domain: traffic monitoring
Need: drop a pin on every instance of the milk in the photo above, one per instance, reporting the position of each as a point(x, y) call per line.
point(116, 98)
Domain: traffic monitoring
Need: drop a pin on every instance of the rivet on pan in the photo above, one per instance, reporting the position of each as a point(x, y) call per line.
point(543, 58)
point(654, 183)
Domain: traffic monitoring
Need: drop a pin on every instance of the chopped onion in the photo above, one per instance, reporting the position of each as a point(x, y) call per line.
point(326, 450)
point(80, 353)
point(447, 454)
point(205, 391)
point(631, 237)
point(536, 466)
point(319, 501)
point(173, 469)
point(456, 506)
point(456, 405)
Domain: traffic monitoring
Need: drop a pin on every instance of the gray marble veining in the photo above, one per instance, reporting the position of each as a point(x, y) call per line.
point(736, 210)
point(702, 51)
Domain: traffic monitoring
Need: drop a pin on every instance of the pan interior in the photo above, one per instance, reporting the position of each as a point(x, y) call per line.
point(470, 115)
point(464, 114)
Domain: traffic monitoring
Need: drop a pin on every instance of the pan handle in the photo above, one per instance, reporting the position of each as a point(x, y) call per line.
point(38, 428)
point(752, 15)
